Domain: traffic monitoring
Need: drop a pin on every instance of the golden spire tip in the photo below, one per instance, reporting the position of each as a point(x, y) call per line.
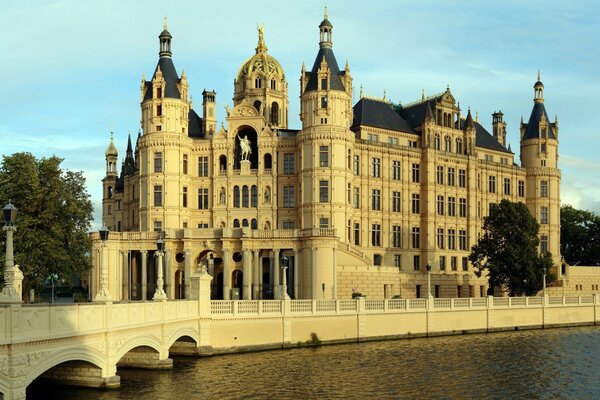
point(325, 14)
point(165, 23)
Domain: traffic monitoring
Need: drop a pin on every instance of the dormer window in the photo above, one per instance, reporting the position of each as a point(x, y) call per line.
point(159, 93)
point(273, 84)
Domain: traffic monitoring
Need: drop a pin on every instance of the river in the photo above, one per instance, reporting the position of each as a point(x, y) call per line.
point(535, 364)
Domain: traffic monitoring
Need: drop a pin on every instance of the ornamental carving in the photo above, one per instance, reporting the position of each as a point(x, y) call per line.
point(244, 110)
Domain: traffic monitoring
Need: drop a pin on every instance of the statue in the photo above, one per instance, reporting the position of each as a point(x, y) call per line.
point(245, 147)
point(267, 195)
point(222, 196)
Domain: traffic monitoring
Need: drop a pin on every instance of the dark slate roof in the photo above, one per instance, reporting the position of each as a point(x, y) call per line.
point(532, 129)
point(485, 139)
point(415, 114)
point(325, 22)
point(288, 133)
point(195, 125)
point(120, 185)
point(171, 79)
point(335, 81)
point(379, 114)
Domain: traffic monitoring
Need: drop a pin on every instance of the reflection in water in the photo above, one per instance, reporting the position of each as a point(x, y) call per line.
point(537, 364)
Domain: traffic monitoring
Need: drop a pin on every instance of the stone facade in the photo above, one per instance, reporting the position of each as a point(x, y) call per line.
point(363, 197)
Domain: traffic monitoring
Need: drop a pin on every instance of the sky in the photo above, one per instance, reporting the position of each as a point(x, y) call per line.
point(72, 69)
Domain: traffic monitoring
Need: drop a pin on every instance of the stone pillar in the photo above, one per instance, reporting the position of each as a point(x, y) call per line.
point(226, 275)
point(257, 276)
point(276, 280)
point(144, 274)
point(296, 272)
point(247, 282)
point(126, 272)
point(103, 294)
point(168, 271)
point(159, 293)
point(200, 283)
point(187, 271)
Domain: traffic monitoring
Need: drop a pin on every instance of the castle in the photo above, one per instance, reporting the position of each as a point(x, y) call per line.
point(373, 197)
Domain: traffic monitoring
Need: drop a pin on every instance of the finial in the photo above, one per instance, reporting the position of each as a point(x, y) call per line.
point(112, 136)
point(539, 76)
point(165, 24)
point(325, 14)
point(476, 116)
point(347, 67)
point(384, 95)
point(422, 94)
point(191, 101)
point(261, 38)
point(448, 87)
point(361, 91)
point(143, 76)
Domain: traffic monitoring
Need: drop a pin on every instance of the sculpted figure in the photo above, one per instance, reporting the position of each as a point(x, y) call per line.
point(245, 146)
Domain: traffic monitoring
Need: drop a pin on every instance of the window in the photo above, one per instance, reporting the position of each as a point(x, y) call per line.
point(254, 196)
point(324, 156)
point(376, 235)
point(440, 175)
point(397, 261)
point(357, 234)
point(453, 265)
point(521, 188)
point(356, 165)
point(462, 208)
point(202, 166)
point(450, 176)
point(158, 164)
point(396, 201)
point(203, 198)
point(447, 144)
point(158, 196)
point(396, 170)
point(157, 226)
point(478, 209)
point(288, 224)
point(451, 239)
point(273, 84)
point(324, 102)
point(543, 163)
point(158, 128)
point(377, 259)
point(544, 244)
point(416, 267)
point(184, 197)
point(376, 199)
point(462, 178)
point(349, 194)
point(274, 113)
point(236, 196)
point(416, 237)
point(373, 137)
point(440, 238)
point(396, 236)
point(257, 83)
point(376, 168)
point(544, 215)
point(356, 197)
point(462, 239)
point(451, 206)
point(543, 148)
point(436, 142)
point(323, 222)
point(459, 148)
point(392, 140)
point(245, 197)
point(159, 93)
point(324, 84)
point(185, 164)
point(159, 110)
point(465, 264)
point(415, 203)
point(415, 173)
point(109, 210)
point(507, 186)
point(289, 199)
point(489, 158)
point(544, 188)
point(288, 163)
point(492, 184)
point(442, 263)
point(440, 205)
point(323, 191)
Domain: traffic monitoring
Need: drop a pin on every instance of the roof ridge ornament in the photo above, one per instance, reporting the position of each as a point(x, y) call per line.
point(261, 47)
point(165, 23)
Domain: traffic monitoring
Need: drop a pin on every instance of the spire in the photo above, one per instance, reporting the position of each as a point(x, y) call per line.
point(129, 151)
point(325, 28)
point(361, 91)
point(261, 47)
point(422, 94)
point(539, 76)
point(325, 13)
point(428, 113)
point(469, 124)
point(165, 41)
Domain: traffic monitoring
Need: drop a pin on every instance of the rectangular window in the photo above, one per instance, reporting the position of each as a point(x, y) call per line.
point(376, 167)
point(417, 267)
point(440, 205)
point(440, 238)
point(465, 264)
point(288, 224)
point(185, 164)
point(440, 175)
point(462, 239)
point(416, 237)
point(396, 201)
point(397, 261)
point(324, 84)
point(373, 137)
point(442, 263)
point(288, 164)
point(396, 170)
point(376, 199)
point(396, 236)
point(203, 198)
point(392, 140)
point(451, 206)
point(158, 196)
point(356, 197)
point(521, 188)
point(158, 162)
point(451, 239)
point(202, 166)
point(462, 178)
point(159, 110)
point(289, 198)
point(324, 102)
point(462, 208)
point(157, 226)
point(544, 188)
point(492, 184)
point(416, 173)
point(507, 186)
point(357, 234)
point(184, 197)
point(376, 235)
point(451, 176)
point(453, 264)
point(416, 203)
point(323, 191)
point(323, 222)
point(324, 156)
point(544, 215)
point(356, 165)
point(544, 244)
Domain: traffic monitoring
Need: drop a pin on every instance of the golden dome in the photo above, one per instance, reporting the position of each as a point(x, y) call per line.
point(112, 149)
point(261, 62)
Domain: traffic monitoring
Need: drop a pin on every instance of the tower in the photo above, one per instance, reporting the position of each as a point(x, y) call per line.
point(208, 111)
point(109, 184)
point(499, 127)
point(539, 156)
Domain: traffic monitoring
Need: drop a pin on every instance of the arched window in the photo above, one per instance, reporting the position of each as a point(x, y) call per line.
point(223, 163)
point(257, 83)
point(268, 161)
point(236, 196)
point(109, 194)
point(273, 84)
point(254, 196)
point(436, 142)
point(245, 195)
point(236, 223)
point(447, 144)
point(244, 223)
point(254, 224)
point(257, 105)
point(459, 148)
point(274, 113)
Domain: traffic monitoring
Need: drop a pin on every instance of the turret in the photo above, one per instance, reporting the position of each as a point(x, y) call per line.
point(499, 127)
point(208, 111)
point(111, 156)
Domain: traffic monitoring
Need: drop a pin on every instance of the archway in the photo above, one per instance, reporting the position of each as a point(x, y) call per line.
point(246, 131)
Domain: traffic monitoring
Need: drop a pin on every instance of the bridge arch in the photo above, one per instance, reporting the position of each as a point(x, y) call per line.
point(192, 333)
point(139, 341)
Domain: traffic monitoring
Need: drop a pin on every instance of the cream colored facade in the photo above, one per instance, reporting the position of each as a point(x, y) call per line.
point(362, 198)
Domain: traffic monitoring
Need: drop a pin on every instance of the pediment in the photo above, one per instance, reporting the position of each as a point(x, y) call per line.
point(243, 110)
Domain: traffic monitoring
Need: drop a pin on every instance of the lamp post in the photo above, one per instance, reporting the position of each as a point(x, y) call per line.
point(103, 293)
point(159, 294)
point(283, 272)
point(13, 277)
point(544, 282)
point(428, 267)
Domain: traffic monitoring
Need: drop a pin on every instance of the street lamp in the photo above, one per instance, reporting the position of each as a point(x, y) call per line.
point(13, 277)
point(284, 267)
point(544, 287)
point(159, 294)
point(428, 267)
point(103, 293)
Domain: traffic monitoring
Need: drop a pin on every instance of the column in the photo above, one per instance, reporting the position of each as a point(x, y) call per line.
point(257, 276)
point(170, 287)
point(296, 272)
point(247, 281)
point(144, 274)
point(187, 271)
point(125, 295)
point(276, 281)
point(226, 276)
point(271, 279)
point(316, 288)
point(103, 293)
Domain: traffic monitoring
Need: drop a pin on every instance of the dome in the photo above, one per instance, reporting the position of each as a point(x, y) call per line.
point(111, 151)
point(261, 62)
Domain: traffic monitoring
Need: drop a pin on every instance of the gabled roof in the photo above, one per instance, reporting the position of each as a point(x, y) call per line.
point(414, 114)
point(532, 128)
point(335, 83)
point(379, 114)
point(195, 125)
point(171, 79)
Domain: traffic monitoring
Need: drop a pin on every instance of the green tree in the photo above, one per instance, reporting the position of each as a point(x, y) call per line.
point(508, 250)
point(579, 236)
point(53, 220)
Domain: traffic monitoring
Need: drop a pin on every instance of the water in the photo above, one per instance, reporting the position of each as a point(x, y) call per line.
point(538, 364)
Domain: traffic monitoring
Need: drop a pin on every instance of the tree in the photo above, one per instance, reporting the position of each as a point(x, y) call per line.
point(53, 220)
point(508, 250)
point(579, 236)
